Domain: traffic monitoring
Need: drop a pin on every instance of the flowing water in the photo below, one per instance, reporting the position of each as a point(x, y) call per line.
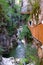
point(20, 50)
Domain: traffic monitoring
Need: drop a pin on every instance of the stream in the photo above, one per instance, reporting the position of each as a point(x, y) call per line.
point(20, 50)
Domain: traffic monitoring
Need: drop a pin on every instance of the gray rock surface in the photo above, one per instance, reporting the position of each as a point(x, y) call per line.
point(12, 61)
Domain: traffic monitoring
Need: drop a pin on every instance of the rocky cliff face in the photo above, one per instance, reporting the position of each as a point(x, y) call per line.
point(41, 6)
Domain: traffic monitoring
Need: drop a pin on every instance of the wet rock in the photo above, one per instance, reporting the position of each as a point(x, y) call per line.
point(8, 61)
point(31, 64)
point(14, 40)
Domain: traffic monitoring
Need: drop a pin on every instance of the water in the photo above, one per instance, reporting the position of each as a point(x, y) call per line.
point(20, 51)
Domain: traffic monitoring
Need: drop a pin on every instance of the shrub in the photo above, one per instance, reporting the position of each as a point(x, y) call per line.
point(26, 33)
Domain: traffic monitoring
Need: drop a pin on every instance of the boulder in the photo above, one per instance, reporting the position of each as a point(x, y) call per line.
point(8, 61)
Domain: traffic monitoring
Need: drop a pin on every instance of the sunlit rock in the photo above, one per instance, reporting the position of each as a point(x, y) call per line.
point(8, 61)
point(42, 21)
point(42, 46)
point(31, 64)
point(23, 41)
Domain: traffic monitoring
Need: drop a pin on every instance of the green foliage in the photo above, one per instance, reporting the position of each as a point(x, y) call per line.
point(26, 33)
point(1, 50)
point(22, 61)
point(25, 17)
point(12, 52)
point(5, 7)
point(31, 54)
point(35, 9)
point(9, 14)
point(12, 29)
point(9, 11)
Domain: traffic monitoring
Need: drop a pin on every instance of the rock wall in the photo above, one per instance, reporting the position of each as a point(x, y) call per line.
point(41, 6)
point(12, 61)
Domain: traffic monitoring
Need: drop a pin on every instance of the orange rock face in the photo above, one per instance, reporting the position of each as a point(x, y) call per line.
point(37, 32)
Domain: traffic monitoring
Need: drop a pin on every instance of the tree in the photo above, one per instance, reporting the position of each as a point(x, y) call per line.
point(10, 14)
